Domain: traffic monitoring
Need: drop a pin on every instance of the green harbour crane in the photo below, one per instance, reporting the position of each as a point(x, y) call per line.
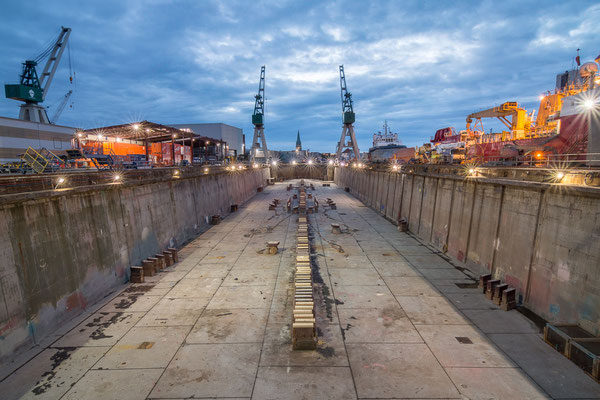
point(348, 118)
point(259, 142)
point(31, 89)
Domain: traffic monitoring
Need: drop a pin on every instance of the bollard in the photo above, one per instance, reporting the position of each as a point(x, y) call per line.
point(272, 247)
point(335, 228)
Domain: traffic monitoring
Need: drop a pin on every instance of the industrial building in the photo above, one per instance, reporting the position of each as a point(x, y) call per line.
point(16, 136)
point(234, 137)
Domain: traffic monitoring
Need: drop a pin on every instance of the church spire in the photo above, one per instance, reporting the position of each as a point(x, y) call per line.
point(298, 142)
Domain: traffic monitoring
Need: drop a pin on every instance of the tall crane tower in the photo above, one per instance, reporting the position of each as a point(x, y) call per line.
point(33, 90)
point(257, 151)
point(348, 118)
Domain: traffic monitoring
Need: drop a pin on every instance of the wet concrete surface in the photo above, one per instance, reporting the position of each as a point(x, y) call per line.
point(392, 323)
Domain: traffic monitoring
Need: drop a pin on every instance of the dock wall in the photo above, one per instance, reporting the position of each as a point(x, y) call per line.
point(63, 250)
point(542, 239)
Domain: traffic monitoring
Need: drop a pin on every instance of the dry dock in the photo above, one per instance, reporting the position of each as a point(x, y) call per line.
point(392, 323)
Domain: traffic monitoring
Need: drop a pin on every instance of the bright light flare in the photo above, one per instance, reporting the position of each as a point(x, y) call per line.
point(294, 162)
point(274, 163)
point(117, 178)
point(205, 169)
point(136, 127)
point(61, 180)
point(330, 162)
point(589, 104)
point(310, 162)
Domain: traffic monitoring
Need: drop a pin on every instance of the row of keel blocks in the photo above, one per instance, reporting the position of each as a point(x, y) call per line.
point(500, 293)
point(152, 265)
point(304, 333)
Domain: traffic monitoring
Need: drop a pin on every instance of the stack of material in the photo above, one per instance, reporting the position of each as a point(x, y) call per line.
point(304, 334)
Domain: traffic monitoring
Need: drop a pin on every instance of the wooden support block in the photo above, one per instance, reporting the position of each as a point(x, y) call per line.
point(168, 258)
point(402, 225)
point(137, 275)
point(303, 258)
point(304, 336)
point(215, 220)
point(483, 279)
point(490, 285)
point(508, 299)
point(156, 262)
point(173, 251)
point(497, 298)
point(161, 260)
point(305, 320)
point(148, 267)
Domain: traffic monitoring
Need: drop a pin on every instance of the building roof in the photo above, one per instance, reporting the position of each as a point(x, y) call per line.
point(146, 130)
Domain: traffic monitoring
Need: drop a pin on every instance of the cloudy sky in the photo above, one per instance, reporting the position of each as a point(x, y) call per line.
point(420, 65)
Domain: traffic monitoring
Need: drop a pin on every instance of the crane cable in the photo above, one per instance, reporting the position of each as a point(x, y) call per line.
point(47, 49)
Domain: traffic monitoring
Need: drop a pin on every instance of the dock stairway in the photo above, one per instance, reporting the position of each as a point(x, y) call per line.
point(42, 161)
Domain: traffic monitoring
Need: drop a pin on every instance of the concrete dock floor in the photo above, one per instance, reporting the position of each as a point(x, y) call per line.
point(392, 324)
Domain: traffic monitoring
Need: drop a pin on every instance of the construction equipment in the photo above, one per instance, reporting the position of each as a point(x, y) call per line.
point(519, 123)
point(257, 151)
point(348, 118)
point(33, 90)
point(61, 107)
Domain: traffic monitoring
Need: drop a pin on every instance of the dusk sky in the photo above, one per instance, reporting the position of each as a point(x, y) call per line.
point(420, 65)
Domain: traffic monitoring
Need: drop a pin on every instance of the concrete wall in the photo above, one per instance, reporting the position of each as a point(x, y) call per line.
point(302, 171)
point(64, 250)
point(542, 239)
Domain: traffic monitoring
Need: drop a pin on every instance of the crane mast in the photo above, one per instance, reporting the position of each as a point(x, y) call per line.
point(259, 142)
point(33, 90)
point(348, 118)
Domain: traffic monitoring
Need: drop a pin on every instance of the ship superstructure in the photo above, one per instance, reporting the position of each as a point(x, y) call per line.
point(560, 130)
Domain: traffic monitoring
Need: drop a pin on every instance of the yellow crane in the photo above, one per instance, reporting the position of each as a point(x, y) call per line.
point(513, 116)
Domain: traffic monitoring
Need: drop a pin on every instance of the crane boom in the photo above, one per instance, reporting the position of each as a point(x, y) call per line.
point(53, 60)
point(61, 107)
point(259, 103)
point(518, 123)
point(32, 90)
point(348, 115)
